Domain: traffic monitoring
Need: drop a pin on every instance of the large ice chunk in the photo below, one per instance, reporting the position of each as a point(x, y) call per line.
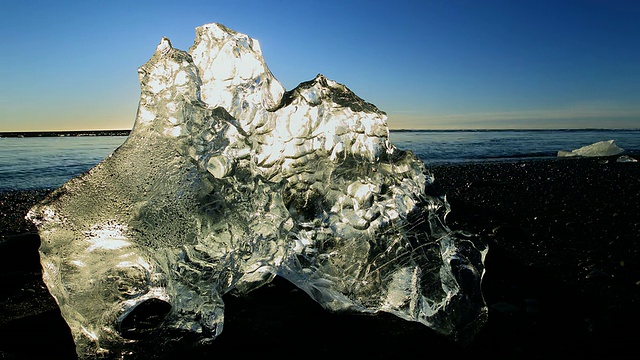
point(226, 181)
point(600, 148)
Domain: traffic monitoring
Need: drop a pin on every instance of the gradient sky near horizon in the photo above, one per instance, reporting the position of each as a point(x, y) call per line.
point(450, 64)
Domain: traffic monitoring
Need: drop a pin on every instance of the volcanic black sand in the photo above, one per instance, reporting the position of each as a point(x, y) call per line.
point(562, 277)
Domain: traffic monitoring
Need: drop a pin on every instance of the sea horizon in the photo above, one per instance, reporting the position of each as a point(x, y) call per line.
point(126, 132)
point(37, 160)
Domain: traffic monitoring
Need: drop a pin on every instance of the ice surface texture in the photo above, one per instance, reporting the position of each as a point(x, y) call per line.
point(226, 181)
point(600, 148)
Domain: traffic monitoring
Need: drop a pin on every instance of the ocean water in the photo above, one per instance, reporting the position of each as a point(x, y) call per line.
point(437, 147)
point(48, 162)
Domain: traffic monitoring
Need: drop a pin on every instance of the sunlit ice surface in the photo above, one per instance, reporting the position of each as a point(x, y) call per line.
point(226, 181)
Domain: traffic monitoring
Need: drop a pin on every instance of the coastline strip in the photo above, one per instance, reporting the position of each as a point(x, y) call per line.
point(65, 133)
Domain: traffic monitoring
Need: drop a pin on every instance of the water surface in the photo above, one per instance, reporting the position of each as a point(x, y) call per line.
point(48, 162)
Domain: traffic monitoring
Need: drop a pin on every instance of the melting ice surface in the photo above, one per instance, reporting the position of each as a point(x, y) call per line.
point(226, 181)
point(600, 148)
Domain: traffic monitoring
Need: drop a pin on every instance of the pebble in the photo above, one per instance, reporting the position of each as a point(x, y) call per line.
point(597, 275)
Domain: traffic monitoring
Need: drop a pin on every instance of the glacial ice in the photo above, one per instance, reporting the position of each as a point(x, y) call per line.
point(626, 159)
point(600, 148)
point(226, 181)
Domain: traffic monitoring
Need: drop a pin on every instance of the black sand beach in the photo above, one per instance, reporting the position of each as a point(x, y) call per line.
point(562, 277)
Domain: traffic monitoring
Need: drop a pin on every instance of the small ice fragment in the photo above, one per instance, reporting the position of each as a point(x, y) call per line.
point(600, 148)
point(626, 158)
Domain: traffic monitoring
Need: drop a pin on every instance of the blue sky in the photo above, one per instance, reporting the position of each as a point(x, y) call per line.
point(428, 64)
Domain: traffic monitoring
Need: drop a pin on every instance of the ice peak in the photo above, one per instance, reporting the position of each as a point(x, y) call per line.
point(164, 46)
point(217, 29)
point(234, 73)
point(320, 78)
point(320, 89)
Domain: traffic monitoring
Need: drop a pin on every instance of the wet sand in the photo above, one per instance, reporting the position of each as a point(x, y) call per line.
point(562, 277)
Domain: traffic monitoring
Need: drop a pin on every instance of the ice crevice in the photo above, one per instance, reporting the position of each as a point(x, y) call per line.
point(228, 180)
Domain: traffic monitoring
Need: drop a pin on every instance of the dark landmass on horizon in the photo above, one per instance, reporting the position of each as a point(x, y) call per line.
point(65, 133)
point(124, 132)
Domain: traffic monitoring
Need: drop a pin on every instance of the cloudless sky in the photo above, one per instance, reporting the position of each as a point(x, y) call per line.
point(449, 64)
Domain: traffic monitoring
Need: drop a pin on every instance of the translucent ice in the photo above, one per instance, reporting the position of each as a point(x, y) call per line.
point(600, 148)
point(626, 158)
point(226, 181)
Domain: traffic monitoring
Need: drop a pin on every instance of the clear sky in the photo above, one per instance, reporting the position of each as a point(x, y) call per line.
point(449, 64)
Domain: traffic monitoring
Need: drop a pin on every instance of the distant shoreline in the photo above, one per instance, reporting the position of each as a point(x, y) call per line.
point(22, 134)
point(71, 133)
